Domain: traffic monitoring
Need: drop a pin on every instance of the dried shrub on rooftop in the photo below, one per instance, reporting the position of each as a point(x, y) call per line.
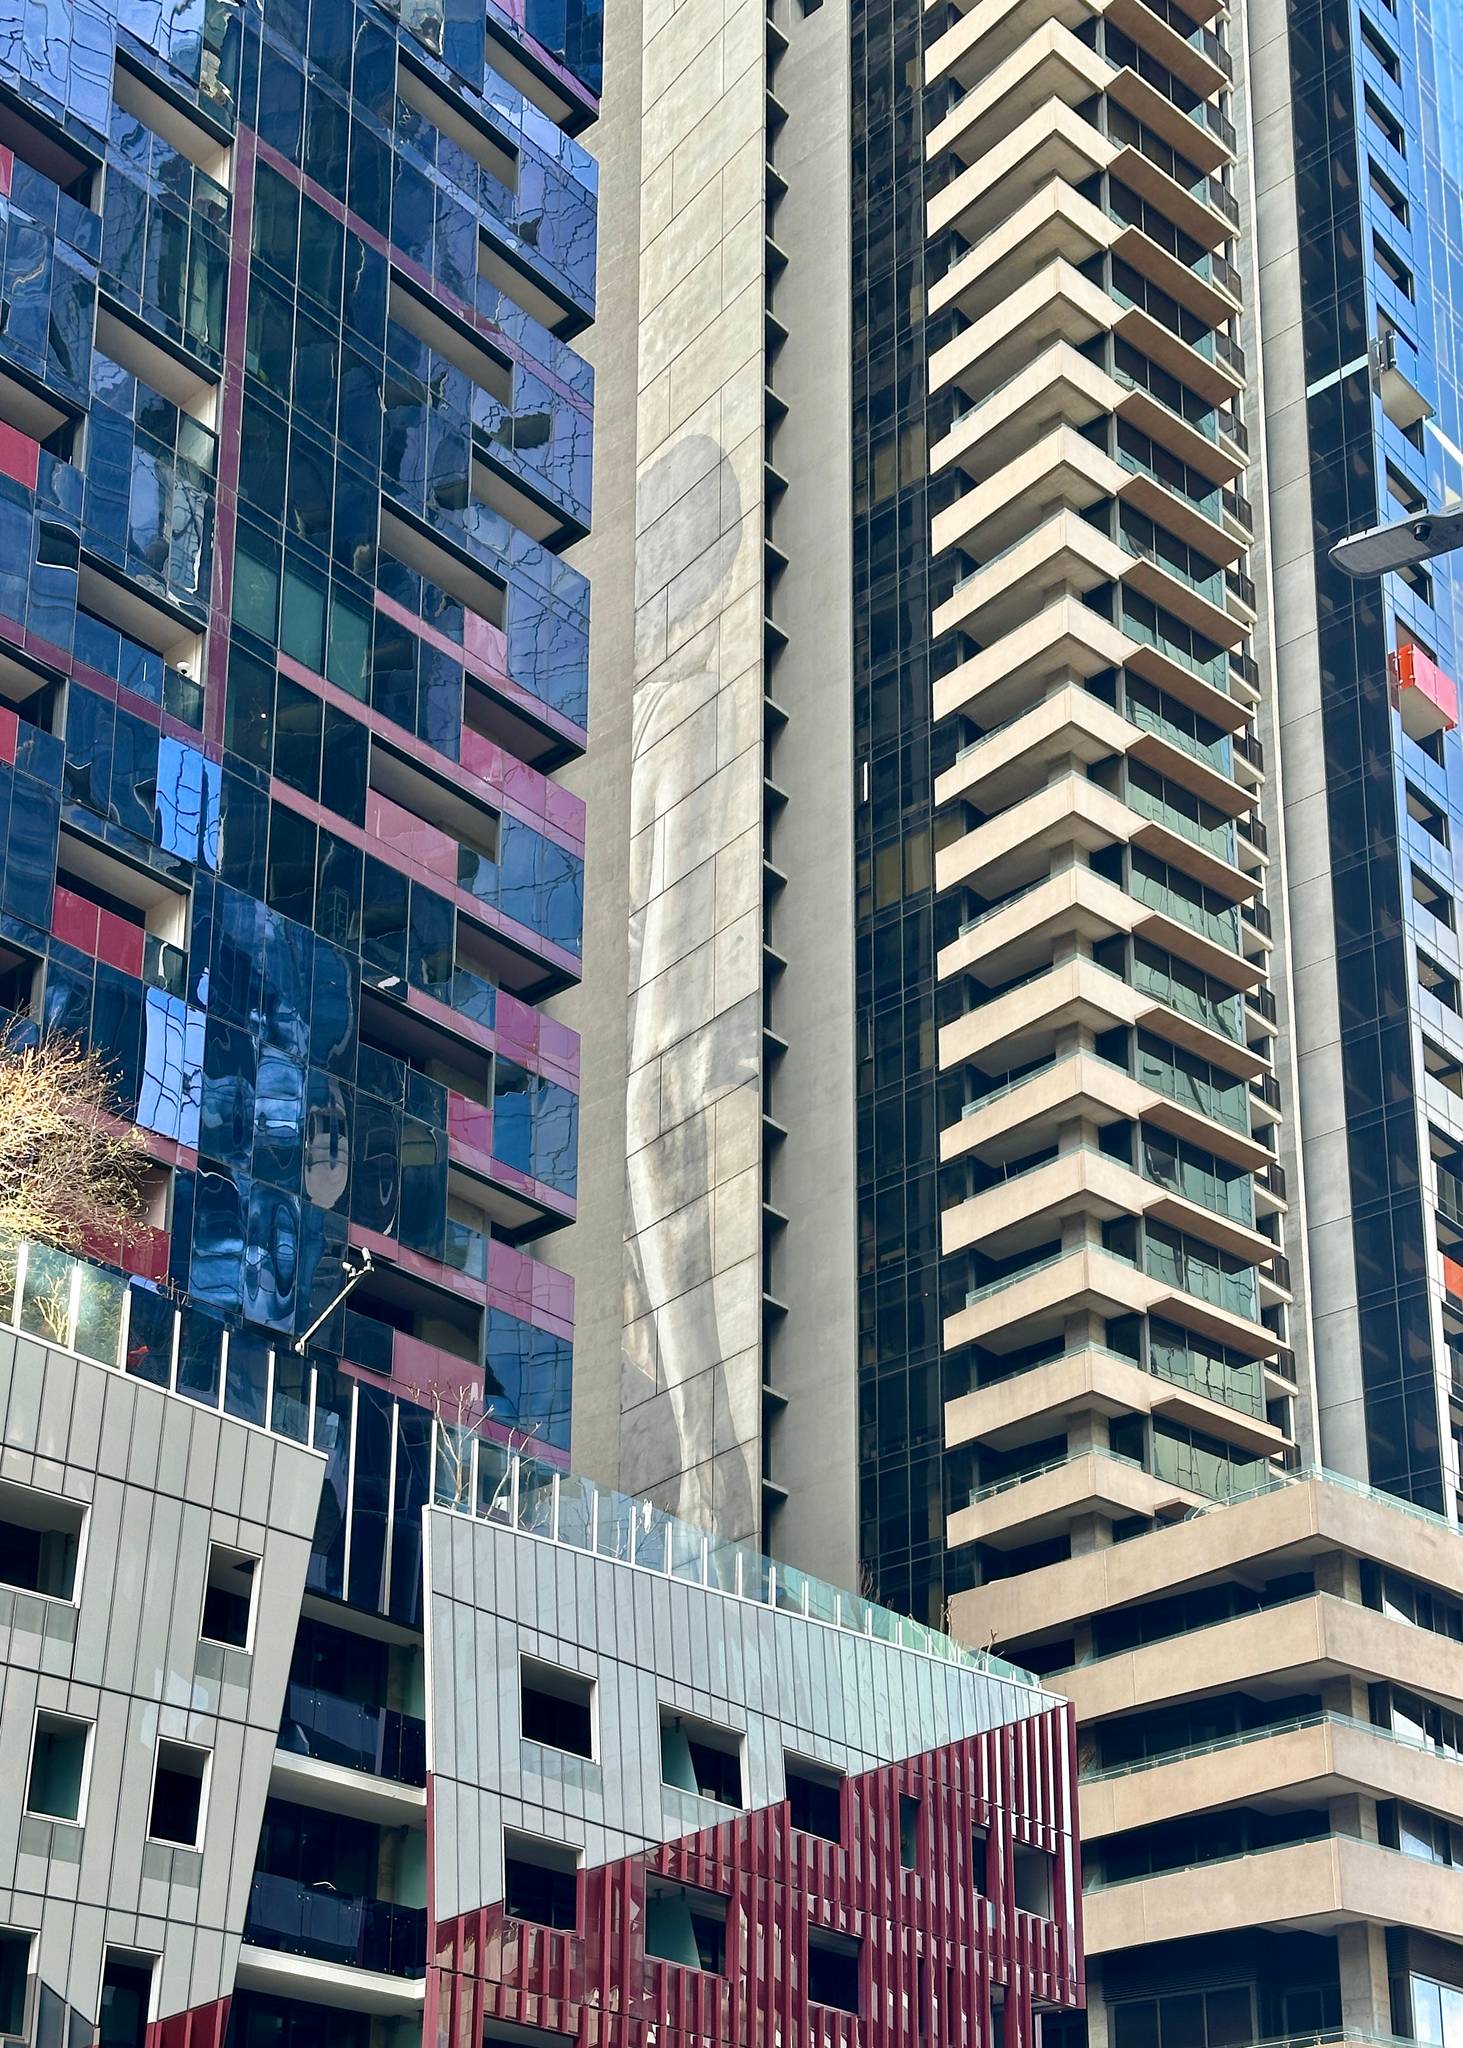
point(70, 1169)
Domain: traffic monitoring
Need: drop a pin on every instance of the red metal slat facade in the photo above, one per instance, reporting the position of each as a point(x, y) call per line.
point(934, 1939)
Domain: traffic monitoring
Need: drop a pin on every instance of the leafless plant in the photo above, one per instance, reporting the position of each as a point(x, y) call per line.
point(70, 1169)
point(461, 1420)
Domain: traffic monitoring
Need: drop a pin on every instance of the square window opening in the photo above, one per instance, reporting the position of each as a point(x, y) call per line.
point(833, 1970)
point(228, 1599)
point(685, 1927)
point(56, 1789)
point(126, 1999)
point(540, 1880)
point(814, 1798)
point(178, 1788)
point(908, 1831)
point(40, 1542)
point(1033, 1873)
point(556, 1708)
point(697, 1756)
point(14, 1971)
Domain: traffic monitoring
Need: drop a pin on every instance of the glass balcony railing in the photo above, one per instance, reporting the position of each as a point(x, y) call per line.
point(465, 1250)
point(1212, 670)
point(1214, 754)
point(331, 1927)
point(1223, 1015)
point(1215, 839)
point(1207, 502)
point(486, 1480)
point(1222, 1102)
point(1181, 1267)
point(339, 1731)
point(1210, 587)
point(1233, 1199)
point(1219, 926)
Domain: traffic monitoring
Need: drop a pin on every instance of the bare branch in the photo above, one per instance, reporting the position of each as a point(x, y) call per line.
point(70, 1170)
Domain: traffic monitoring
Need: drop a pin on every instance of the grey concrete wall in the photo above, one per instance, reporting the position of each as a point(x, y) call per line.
point(813, 1357)
point(160, 1479)
point(1315, 1148)
point(686, 362)
point(782, 1682)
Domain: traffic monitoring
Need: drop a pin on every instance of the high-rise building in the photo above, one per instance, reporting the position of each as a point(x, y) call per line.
point(989, 381)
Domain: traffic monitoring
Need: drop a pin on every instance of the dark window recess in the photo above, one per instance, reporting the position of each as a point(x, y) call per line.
point(908, 1831)
point(40, 1538)
point(540, 1881)
point(57, 1767)
point(177, 1795)
point(229, 1597)
point(814, 1798)
point(833, 1971)
point(126, 1995)
point(699, 1757)
point(14, 1961)
point(980, 1860)
point(685, 1927)
point(1032, 1869)
point(557, 1708)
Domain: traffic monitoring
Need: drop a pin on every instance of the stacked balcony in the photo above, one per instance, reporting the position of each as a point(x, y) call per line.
point(1115, 1285)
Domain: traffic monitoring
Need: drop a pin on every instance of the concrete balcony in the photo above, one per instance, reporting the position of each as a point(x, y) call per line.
point(1021, 1025)
point(1026, 1308)
point(1206, 142)
point(1194, 56)
point(1030, 1113)
point(1052, 64)
point(1053, 224)
point(1058, 304)
point(1324, 1758)
point(1018, 846)
point(1027, 1509)
point(1017, 937)
point(1066, 640)
point(336, 1985)
point(1052, 143)
point(1063, 555)
point(1028, 1209)
point(1015, 759)
point(1061, 388)
point(989, 30)
point(1279, 1652)
point(1197, 366)
point(1195, 209)
point(1205, 450)
point(1308, 1886)
point(1061, 470)
point(1046, 1399)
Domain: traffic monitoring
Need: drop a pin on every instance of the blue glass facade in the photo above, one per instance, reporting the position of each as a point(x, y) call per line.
point(1377, 159)
point(293, 435)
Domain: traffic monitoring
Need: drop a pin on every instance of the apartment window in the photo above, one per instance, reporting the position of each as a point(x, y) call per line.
point(556, 1708)
point(1382, 119)
point(56, 1788)
point(908, 1831)
point(1391, 266)
point(14, 1969)
point(815, 1798)
point(833, 1970)
point(1387, 192)
point(1384, 54)
point(1432, 898)
point(1032, 1871)
point(178, 1788)
point(1437, 981)
point(540, 1880)
point(685, 1927)
point(1423, 811)
point(228, 1599)
point(40, 1542)
point(126, 1999)
point(697, 1756)
point(980, 1861)
point(1443, 1067)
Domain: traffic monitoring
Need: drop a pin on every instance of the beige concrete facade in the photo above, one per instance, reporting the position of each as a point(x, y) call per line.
point(721, 808)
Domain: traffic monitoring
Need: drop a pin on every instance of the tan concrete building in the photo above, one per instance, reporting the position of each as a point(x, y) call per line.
point(995, 1223)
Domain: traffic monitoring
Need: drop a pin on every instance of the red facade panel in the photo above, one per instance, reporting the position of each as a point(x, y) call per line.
point(935, 1937)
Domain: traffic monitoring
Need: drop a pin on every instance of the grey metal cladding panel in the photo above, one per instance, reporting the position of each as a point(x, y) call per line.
point(23, 1405)
point(58, 1402)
